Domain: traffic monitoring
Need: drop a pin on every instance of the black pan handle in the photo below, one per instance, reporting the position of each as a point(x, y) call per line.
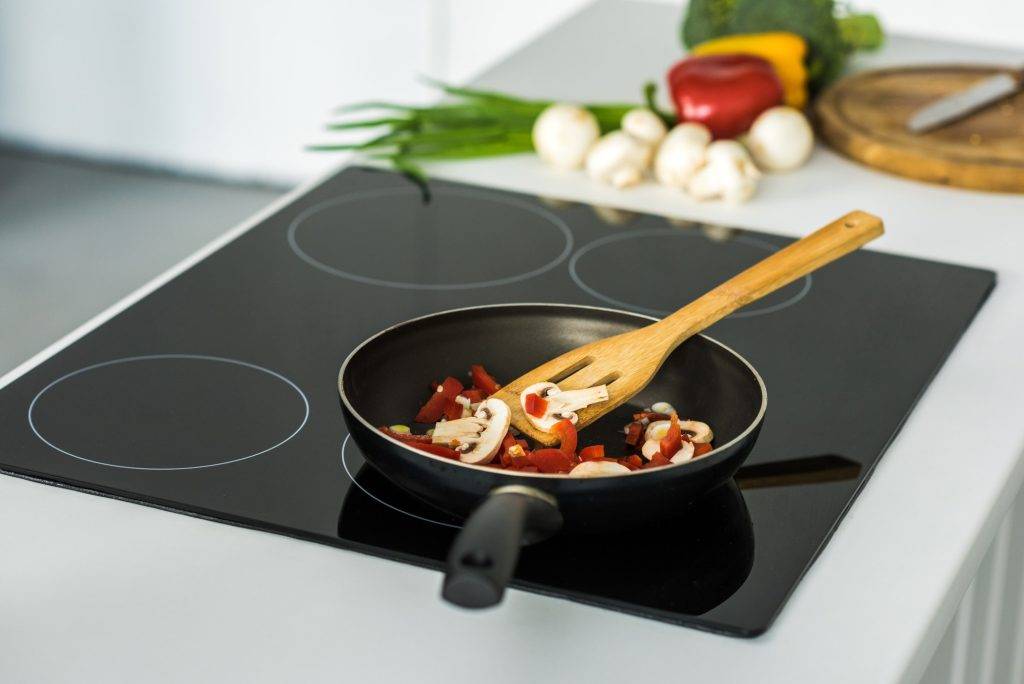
point(485, 553)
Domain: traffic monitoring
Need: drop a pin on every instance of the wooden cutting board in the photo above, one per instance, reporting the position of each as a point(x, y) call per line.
point(863, 116)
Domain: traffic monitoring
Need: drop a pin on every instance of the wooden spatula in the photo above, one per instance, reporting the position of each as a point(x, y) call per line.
point(627, 362)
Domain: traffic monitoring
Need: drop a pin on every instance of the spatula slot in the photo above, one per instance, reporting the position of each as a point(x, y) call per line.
point(608, 379)
point(572, 370)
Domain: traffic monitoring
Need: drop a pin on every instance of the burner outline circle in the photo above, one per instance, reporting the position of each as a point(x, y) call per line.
point(151, 357)
point(403, 285)
point(364, 490)
point(660, 232)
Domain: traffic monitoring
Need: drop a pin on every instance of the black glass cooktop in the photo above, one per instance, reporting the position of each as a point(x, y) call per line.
point(216, 394)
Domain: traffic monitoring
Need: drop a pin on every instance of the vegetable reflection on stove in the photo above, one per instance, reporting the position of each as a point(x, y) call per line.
point(707, 558)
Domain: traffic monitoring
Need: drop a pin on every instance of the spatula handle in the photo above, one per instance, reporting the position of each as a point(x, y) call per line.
point(838, 238)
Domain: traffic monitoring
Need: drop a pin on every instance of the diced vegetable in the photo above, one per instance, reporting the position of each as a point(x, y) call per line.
point(673, 439)
point(436, 449)
point(591, 452)
point(482, 380)
point(474, 395)
point(566, 432)
point(551, 460)
point(634, 433)
point(536, 405)
point(632, 461)
point(432, 411)
point(404, 436)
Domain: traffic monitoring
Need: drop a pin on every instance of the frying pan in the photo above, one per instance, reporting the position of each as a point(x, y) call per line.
point(382, 382)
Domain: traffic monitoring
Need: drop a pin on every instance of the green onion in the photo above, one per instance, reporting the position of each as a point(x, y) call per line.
point(469, 124)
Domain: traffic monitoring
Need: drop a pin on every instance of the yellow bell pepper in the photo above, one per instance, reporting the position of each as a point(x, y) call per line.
point(785, 51)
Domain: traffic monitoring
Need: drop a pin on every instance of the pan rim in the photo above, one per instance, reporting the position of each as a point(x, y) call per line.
point(556, 476)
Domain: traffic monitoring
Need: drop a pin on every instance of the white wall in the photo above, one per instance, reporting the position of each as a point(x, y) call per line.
point(237, 88)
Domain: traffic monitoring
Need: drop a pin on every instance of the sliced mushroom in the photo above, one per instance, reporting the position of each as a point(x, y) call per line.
point(477, 438)
point(598, 469)
point(561, 405)
point(663, 407)
point(656, 430)
point(684, 454)
point(700, 433)
point(650, 448)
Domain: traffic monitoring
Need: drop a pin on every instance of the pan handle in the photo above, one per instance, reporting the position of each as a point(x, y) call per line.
point(485, 553)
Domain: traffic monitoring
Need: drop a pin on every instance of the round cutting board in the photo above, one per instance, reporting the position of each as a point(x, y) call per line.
point(864, 115)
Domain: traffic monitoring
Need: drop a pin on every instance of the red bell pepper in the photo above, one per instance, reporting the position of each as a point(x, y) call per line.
point(551, 460)
point(536, 405)
point(632, 461)
point(436, 449)
point(634, 433)
point(404, 436)
point(432, 411)
point(452, 410)
point(594, 451)
point(566, 432)
point(673, 439)
point(482, 380)
point(724, 92)
point(701, 449)
point(474, 395)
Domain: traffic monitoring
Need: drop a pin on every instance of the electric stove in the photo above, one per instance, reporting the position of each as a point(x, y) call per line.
point(216, 396)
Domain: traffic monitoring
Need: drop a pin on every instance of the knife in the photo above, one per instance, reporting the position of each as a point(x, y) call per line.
point(958, 105)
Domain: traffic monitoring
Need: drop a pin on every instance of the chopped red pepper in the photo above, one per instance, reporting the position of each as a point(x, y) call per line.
point(634, 432)
point(551, 460)
point(452, 410)
point(656, 462)
point(651, 416)
point(404, 436)
point(432, 411)
point(592, 452)
point(673, 439)
point(536, 405)
point(436, 449)
point(475, 396)
point(566, 432)
point(701, 449)
point(632, 461)
point(482, 380)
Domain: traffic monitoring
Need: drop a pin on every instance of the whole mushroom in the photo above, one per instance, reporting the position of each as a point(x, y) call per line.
point(681, 154)
point(780, 139)
point(562, 135)
point(730, 174)
point(644, 125)
point(618, 159)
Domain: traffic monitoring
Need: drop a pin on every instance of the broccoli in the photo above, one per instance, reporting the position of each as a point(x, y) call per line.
point(829, 38)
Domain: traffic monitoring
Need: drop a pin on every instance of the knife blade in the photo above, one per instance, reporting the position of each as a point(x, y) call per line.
point(958, 105)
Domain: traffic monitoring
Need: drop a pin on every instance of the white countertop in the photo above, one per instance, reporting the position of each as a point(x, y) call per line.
point(99, 590)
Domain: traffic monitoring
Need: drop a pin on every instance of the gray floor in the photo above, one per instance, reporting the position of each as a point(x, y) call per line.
point(75, 238)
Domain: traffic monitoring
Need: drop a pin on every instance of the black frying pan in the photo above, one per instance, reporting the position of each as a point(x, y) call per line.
point(382, 382)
